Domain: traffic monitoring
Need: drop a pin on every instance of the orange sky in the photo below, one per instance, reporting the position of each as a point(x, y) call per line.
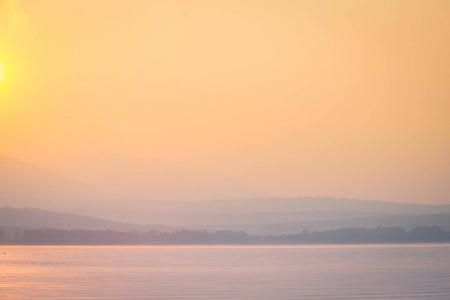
point(289, 98)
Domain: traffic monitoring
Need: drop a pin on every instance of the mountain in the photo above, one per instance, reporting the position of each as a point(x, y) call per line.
point(406, 222)
point(142, 190)
point(28, 218)
point(108, 185)
point(23, 184)
point(314, 204)
point(263, 211)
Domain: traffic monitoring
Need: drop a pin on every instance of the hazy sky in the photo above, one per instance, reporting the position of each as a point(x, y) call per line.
point(289, 98)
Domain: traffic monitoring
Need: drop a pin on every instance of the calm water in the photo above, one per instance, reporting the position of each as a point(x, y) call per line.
point(225, 272)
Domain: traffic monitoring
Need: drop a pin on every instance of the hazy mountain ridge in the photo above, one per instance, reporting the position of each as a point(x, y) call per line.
point(98, 181)
point(279, 210)
point(27, 185)
point(35, 218)
point(133, 186)
point(405, 222)
point(309, 204)
point(31, 218)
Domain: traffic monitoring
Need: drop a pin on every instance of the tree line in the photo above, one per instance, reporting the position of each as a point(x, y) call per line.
point(424, 234)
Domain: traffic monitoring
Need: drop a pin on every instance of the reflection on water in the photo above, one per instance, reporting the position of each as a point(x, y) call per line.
point(225, 272)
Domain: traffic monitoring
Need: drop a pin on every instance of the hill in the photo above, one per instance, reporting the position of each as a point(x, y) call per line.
point(273, 210)
point(406, 222)
point(28, 218)
point(26, 185)
point(106, 183)
point(141, 190)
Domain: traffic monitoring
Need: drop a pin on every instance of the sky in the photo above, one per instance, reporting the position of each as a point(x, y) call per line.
point(287, 98)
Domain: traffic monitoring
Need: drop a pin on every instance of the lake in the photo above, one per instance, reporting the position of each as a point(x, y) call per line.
point(226, 272)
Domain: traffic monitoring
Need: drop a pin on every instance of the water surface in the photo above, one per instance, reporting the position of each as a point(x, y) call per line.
point(226, 272)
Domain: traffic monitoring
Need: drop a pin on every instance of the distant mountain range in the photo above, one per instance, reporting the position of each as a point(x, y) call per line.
point(27, 185)
point(32, 218)
point(405, 222)
point(277, 210)
point(99, 182)
point(28, 218)
point(142, 191)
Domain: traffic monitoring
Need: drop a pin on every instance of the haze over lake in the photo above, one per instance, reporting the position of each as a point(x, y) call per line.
point(250, 122)
point(226, 272)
